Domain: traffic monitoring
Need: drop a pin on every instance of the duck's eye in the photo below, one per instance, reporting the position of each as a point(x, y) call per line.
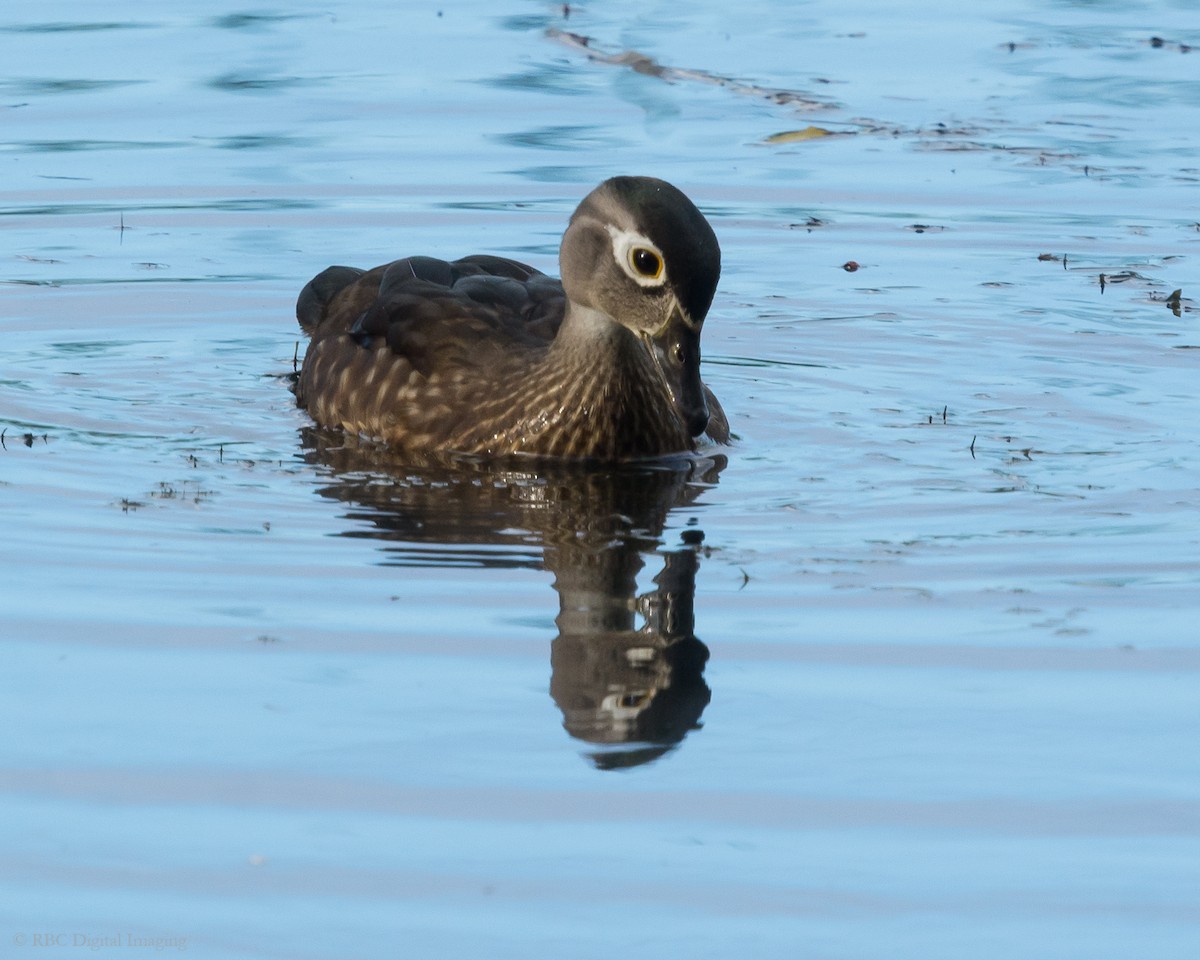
point(646, 262)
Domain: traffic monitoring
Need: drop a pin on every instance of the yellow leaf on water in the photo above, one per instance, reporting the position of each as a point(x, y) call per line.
point(795, 136)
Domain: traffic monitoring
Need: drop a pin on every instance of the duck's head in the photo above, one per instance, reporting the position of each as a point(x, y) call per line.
point(639, 253)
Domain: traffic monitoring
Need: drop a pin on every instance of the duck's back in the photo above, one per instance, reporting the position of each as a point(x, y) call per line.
point(395, 350)
point(424, 299)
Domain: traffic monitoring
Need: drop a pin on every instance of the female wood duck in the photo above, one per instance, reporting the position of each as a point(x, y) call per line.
point(489, 357)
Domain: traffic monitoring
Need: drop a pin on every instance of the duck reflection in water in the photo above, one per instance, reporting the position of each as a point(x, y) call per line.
point(634, 692)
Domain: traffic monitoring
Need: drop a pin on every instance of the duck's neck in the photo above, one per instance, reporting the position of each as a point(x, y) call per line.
point(612, 400)
point(587, 325)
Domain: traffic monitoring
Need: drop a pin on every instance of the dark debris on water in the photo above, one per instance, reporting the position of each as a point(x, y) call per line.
point(27, 438)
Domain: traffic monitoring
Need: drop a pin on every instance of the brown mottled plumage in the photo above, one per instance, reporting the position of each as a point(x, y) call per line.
point(489, 357)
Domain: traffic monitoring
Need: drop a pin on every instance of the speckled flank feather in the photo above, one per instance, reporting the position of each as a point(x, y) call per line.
point(599, 408)
point(489, 357)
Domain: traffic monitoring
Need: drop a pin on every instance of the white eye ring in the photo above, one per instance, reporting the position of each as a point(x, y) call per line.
point(632, 251)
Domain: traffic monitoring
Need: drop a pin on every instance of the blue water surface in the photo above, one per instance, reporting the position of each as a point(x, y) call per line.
point(908, 670)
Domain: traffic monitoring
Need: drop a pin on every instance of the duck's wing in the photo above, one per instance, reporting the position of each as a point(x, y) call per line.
point(436, 313)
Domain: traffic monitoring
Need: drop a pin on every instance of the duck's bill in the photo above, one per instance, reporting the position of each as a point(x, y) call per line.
point(677, 350)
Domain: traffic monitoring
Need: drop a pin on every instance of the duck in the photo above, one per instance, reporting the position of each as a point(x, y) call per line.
point(487, 357)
